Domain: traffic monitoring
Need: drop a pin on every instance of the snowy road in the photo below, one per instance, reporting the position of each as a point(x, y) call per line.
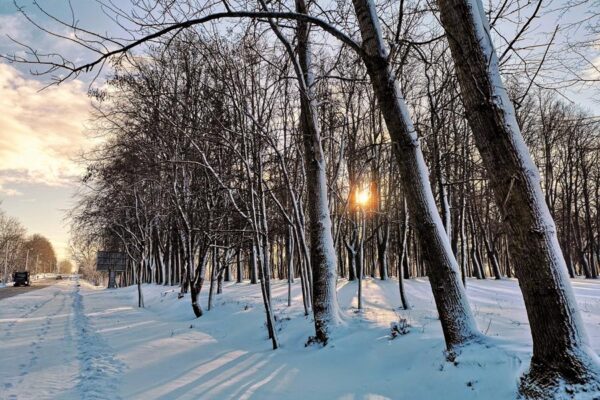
point(36, 343)
point(10, 291)
point(47, 348)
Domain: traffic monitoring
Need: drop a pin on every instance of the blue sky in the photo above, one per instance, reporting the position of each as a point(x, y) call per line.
point(42, 134)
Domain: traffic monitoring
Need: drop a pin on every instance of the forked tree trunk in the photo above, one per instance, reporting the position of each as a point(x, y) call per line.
point(351, 254)
point(561, 352)
point(455, 314)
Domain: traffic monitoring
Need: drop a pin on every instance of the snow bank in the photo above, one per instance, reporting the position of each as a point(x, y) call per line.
point(226, 353)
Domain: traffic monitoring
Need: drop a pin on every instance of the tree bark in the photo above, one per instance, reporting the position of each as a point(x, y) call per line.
point(455, 314)
point(561, 352)
point(322, 251)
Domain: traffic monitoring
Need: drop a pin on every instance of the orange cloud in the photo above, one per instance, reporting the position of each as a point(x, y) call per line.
point(41, 132)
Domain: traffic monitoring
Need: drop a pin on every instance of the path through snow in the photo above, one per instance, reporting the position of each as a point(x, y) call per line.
point(49, 350)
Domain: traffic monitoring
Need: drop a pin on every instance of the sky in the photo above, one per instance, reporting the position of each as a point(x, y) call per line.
point(41, 135)
point(44, 132)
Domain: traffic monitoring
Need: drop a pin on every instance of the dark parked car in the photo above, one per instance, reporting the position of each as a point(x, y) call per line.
point(58, 277)
point(21, 278)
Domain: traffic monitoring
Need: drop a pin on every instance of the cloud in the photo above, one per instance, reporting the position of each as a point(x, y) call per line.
point(41, 132)
point(593, 71)
point(10, 192)
point(13, 25)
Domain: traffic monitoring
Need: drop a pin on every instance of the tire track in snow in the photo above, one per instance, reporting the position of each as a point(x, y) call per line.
point(35, 345)
point(34, 308)
point(99, 371)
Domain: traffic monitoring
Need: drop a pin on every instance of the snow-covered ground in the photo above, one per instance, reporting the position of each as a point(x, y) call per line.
point(70, 342)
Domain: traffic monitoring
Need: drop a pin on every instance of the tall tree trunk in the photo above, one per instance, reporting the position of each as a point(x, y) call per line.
point(561, 351)
point(322, 251)
point(455, 314)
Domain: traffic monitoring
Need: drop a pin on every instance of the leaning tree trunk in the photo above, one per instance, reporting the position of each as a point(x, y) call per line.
point(561, 352)
point(455, 314)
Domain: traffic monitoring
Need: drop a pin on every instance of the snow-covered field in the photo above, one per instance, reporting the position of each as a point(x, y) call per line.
point(70, 342)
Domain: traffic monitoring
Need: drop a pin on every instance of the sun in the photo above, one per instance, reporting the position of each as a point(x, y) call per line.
point(362, 197)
